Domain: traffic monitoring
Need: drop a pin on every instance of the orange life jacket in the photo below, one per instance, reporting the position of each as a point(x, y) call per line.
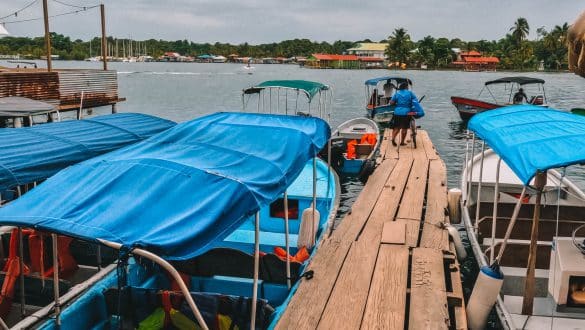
point(351, 149)
point(368, 138)
point(301, 256)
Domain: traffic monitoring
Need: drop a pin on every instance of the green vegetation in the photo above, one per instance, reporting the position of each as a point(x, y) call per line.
point(513, 50)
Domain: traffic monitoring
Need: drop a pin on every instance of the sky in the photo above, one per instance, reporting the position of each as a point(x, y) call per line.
point(265, 21)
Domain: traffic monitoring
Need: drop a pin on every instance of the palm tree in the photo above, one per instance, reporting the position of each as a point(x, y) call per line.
point(520, 30)
point(399, 46)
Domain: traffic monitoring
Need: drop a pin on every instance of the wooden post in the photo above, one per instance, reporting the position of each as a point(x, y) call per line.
point(528, 301)
point(47, 36)
point(104, 44)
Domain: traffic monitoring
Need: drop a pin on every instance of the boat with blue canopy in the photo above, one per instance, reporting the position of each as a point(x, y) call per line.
point(524, 217)
point(31, 154)
point(378, 93)
point(197, 198)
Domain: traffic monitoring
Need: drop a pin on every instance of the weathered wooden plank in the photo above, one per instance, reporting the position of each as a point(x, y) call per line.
point(331, 255)
point(356, 272)
point(384, 145)
point(428, 298)
point(394, 233)
point(412, 228)
point(432, 236)
point(414, 193)
point(460, 315)
point(386, 304)
point(427, 145)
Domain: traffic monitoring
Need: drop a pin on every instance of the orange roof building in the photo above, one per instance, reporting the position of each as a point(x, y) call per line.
point(474, 61)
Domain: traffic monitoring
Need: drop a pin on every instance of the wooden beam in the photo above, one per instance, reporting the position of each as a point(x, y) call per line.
point(432, 235)
point(330, 257)
point(357, 270)
point(104, 37)
point(47, 36)
point(428, 298)
point(386, 304)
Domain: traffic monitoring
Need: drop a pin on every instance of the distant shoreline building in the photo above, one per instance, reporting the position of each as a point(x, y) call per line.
point(475, 61)
point(334, 61)
point(369, 50)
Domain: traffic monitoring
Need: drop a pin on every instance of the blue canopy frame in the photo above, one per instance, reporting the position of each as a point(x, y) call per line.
point(532, 139)
point(179, 191)
point(35, 153)
point(399, 80)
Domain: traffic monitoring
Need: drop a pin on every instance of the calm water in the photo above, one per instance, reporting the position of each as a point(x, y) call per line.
point(182, 91)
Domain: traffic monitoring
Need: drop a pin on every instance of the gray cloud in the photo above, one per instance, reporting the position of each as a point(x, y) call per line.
point(257, 21)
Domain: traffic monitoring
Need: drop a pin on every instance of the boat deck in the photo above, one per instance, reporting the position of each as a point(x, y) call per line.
point(389, 264)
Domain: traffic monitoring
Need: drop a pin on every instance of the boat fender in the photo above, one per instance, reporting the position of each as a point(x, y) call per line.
point(454, 198)
point(485, 293)
point(459, 248)
point(308, 228)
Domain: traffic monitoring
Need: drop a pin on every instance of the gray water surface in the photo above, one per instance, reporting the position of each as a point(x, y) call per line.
point(183, 91)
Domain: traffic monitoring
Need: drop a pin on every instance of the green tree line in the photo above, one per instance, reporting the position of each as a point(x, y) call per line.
point(513, 50)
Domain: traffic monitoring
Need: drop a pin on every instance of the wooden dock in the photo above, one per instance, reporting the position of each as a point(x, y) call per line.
point(389, 264)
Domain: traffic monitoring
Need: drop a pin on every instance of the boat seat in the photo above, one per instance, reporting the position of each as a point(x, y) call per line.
point(235, 263)
point(363, 150)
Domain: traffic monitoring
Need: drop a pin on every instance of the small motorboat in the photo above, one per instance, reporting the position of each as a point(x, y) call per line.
point(354, 144)
point(379, 91)
point(468, 107)
point(202, 198)
point(523, 216)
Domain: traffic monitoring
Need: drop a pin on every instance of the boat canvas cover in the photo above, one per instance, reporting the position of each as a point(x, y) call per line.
point(15, 106)
point(531, 138)
point(35, 153)
point(517, 80)
point(310, 88)
point(399, 80)
point(179, 191)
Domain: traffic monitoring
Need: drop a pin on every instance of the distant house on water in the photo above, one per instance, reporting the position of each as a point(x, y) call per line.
point(475, 61)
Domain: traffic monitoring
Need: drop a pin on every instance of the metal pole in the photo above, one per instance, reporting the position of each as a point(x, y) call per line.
point(495, 209)
point(47, 36)
point(466, 160)
point(56, 280)
point(104, 41)
point(172, 271)
point(314, 198)
point(469, 182)
point(286, 240)
point(478, 200)
point(511, 225)
point(21, 271)
point(528, 301)
point(256, 269)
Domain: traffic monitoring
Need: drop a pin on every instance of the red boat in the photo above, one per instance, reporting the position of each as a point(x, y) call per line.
point(468, 107)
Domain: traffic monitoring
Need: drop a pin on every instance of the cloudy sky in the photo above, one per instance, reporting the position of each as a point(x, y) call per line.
point(261, 21)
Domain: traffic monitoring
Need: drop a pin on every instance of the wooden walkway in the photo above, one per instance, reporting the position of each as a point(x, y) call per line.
point(389, 264)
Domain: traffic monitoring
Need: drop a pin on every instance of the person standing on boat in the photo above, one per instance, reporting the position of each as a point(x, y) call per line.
point(405, 101)
point(388, 90)
point(520, 97)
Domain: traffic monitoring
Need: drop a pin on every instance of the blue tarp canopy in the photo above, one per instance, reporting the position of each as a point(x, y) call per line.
point(531, 138)
point(399, 80)
point(179, 191)
point(36, 153)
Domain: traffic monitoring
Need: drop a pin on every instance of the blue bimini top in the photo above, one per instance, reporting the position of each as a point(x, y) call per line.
point(531, 138)
point(177, 192)
point(35, 153)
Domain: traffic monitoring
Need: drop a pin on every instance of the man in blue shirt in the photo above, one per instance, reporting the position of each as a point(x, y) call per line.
point(404, 100)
